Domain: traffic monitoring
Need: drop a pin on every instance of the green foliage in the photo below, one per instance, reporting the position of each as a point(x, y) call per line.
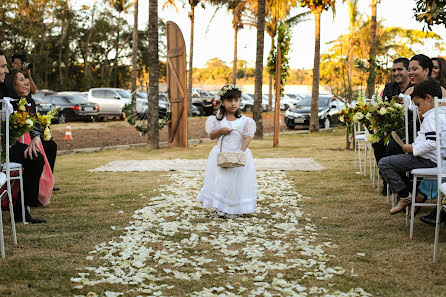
point(317, 5)
point(431, 12)
point(86, 57)
point(392, 43)
point(284, 40)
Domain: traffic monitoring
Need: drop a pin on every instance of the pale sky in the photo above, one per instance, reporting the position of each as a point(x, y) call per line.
point(218, 41)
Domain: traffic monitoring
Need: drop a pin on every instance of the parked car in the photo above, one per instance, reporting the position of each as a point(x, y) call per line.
point(205, 103)
point(42, 93)
point(110, 100)
point(246, 103)
point(43, 106)
point(142, 103)
point(73, 107)
point(264, 103)
point(195, 111)
point(329, 109)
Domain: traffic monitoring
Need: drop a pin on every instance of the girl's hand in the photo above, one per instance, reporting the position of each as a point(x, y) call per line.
point(225, 131)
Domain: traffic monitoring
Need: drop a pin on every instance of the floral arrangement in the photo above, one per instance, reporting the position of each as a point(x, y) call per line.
point(136, 121)
point(45, 123)
point(21, 121)
point(380, 118)
point(385, 117)
point(226, 88)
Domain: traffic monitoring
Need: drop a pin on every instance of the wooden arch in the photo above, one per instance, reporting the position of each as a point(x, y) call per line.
point(176, 85)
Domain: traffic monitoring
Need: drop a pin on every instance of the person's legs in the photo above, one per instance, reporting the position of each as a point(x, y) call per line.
point(393, 167)
point(32, 170)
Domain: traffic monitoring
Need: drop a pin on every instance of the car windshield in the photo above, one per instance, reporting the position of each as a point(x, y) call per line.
point(77, 99)
point(124, 93)
point(306, 101)
point(141, 95)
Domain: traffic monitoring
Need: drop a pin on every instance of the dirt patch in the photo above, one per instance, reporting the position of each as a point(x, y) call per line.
point(111, 133)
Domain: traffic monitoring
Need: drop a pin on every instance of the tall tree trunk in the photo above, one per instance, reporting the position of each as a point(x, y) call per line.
point(234, 63)
point(270, 89)
point(152, 122)
point(87, 44)
point(191, 55)
point(372, 58)
point(270, 93)
point(314, 118)
point(62, 45)
point(134, 52)
point(114, 69)
point(257, 110)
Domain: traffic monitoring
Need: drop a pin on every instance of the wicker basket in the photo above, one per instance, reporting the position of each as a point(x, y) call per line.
point(231, 159)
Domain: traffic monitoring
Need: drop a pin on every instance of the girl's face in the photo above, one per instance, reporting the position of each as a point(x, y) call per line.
point(436, 70)
point(21, 85)
point(231, 104)
point(416, 72)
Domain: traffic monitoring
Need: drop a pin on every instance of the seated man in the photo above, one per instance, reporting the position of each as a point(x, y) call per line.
point(420, 154)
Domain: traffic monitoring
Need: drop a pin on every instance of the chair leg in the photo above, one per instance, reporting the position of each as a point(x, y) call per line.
point(2, 239)
point(11, 212)
point(22, 196)
point(370, 161)
point(437, 227)
point(412, 206)
point(356, 144)
point(365, 159)
point(359, 157)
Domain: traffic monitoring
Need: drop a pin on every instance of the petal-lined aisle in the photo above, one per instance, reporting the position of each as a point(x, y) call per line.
point(175, 247)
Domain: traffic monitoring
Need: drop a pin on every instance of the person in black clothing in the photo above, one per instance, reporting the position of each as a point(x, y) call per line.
point(400, 83)
point(3, 71)
point(400, 79)
point(28, 155)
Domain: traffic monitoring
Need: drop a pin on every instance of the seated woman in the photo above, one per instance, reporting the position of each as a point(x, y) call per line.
point(29, 156)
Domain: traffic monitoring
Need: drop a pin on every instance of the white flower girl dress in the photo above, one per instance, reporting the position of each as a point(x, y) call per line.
point(230, 190)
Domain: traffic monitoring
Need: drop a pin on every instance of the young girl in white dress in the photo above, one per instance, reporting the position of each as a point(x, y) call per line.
point(230, 190)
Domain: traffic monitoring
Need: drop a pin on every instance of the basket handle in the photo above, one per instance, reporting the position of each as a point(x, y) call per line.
point(221, 142)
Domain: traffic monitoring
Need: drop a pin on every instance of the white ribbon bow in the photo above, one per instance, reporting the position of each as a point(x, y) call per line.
point(6, 105)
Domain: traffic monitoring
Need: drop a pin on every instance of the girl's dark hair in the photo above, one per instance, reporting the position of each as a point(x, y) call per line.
point(442, 78)
point(424, 61)
point(230, 94)
point(425, 87)
point(10, 81)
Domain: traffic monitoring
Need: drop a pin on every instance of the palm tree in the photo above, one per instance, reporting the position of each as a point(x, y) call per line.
point(193, 4)
point(372, 57)
point(238, 8)
point(257, 110)
point(152, 122)
point(316, 7)
point(353, 14)
point(134, 52)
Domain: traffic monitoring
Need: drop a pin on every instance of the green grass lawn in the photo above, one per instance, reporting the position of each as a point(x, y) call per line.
point(343, 206)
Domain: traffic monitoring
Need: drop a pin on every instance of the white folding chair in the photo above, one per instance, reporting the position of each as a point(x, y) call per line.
point(14, 167)
point(360, 134)
point(429, 174)
point(4, 115)
point(441, 172)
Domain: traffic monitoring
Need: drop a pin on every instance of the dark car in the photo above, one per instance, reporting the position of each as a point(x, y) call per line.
point(142, 103)
point(329, 109)
point(73, 107)
point(42, 106)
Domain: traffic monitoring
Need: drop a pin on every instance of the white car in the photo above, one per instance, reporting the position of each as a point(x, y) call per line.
point(112, 100)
